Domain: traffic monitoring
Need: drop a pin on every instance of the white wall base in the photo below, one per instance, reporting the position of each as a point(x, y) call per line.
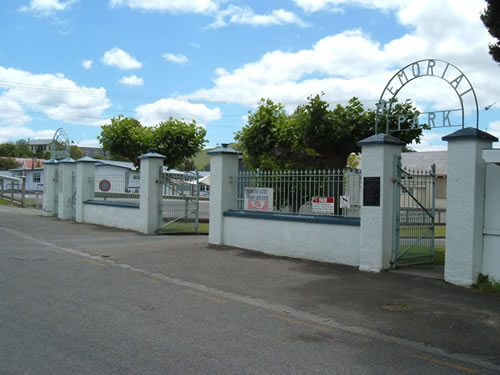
point(320, 242)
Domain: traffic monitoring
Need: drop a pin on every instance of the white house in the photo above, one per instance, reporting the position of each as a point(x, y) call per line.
point(32, 169)
point(116, 177)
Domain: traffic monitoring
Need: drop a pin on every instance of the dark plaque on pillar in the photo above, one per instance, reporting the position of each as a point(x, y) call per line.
point(371, 191)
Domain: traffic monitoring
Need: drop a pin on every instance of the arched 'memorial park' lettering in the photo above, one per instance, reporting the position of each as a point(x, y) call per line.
point(427, 68)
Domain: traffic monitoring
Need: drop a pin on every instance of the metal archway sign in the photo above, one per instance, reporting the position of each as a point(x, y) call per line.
point(61, 145)
point(427, 68)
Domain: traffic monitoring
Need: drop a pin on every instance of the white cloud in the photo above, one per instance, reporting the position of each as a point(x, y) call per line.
point(352, 63)
point(14, 133)
point(232, 14)
point(494, 129)
point(172, 6)
point(163, 109)
point(12, 113)
point(53, 95)
point(132, 80)
point(47, 7)
point(246, 16)
point(179, 59)
point(431, 141)
point(87, 64)
point(119, 58)
point(318, 5)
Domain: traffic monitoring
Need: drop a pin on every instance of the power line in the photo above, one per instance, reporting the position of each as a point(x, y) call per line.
point(81, 92)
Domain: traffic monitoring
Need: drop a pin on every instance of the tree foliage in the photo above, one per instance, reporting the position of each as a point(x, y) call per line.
point(23, 149)
point(8, 150)
point(491, 19)
point(314, 135)
point(19, 149)
point(75, 152)
point(7, 163)
point(177, 140)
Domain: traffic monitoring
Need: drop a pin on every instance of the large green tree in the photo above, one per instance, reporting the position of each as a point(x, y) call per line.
point(8, 150)
point(23, 149)
point(491, 19)
point(7, 163)
point(125, 138)
point(314, 135)
point(75, 152)
point(177, 140)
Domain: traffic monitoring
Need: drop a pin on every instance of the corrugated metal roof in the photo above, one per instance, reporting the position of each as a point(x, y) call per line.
point(423, 161)
point(36, 142)
point(115, 163)
point(30, 163)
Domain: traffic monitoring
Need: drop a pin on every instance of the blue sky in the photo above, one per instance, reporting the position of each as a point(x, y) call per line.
point(77, 63)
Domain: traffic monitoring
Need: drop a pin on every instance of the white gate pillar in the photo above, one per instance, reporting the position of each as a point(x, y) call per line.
point(223, 185)
point(85, 184)
point(50, 188)
point(465, 204)
point(150, 191)
point(65, 193)
point(378, 155)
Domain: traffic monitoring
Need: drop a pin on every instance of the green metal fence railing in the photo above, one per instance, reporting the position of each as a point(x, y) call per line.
point(322, 192)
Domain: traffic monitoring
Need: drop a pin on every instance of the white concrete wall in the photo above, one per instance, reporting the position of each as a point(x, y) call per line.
point(223, 184)
point(491, 231)
point(465, 211)
point(110, 216)
point(377, 221)
point(321, 242)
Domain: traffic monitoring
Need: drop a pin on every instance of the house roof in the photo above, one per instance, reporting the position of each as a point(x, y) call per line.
point(115, 163)
point(423, 161)
point(29, 163)
point(37, 142)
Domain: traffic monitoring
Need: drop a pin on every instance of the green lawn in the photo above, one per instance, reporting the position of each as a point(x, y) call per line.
point(439, 251)
point(439, 231)
point(185, 228)
point(4, 202)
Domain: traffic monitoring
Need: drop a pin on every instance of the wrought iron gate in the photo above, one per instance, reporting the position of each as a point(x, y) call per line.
point(179, 206)
point(414, 209)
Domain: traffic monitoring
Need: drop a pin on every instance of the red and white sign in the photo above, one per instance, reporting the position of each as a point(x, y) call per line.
point(323, 205)
point(259, 199)
point(104, 185)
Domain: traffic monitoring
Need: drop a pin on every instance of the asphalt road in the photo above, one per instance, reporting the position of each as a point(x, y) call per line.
point(63, 311)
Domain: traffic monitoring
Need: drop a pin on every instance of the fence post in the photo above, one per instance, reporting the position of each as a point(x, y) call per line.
point(377, 210)
point(150, 191)
point(223, 187)
point(85, 184)
point(465, 204)
point(49, 188)
point(23, 189)
point(66, 168)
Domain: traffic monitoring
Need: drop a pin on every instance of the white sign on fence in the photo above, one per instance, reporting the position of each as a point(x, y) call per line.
point(345, 201)
point(259, 199)
point(323, 205)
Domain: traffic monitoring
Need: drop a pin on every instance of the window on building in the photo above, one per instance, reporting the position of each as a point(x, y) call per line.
point(36, 177)
point(441, 188)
